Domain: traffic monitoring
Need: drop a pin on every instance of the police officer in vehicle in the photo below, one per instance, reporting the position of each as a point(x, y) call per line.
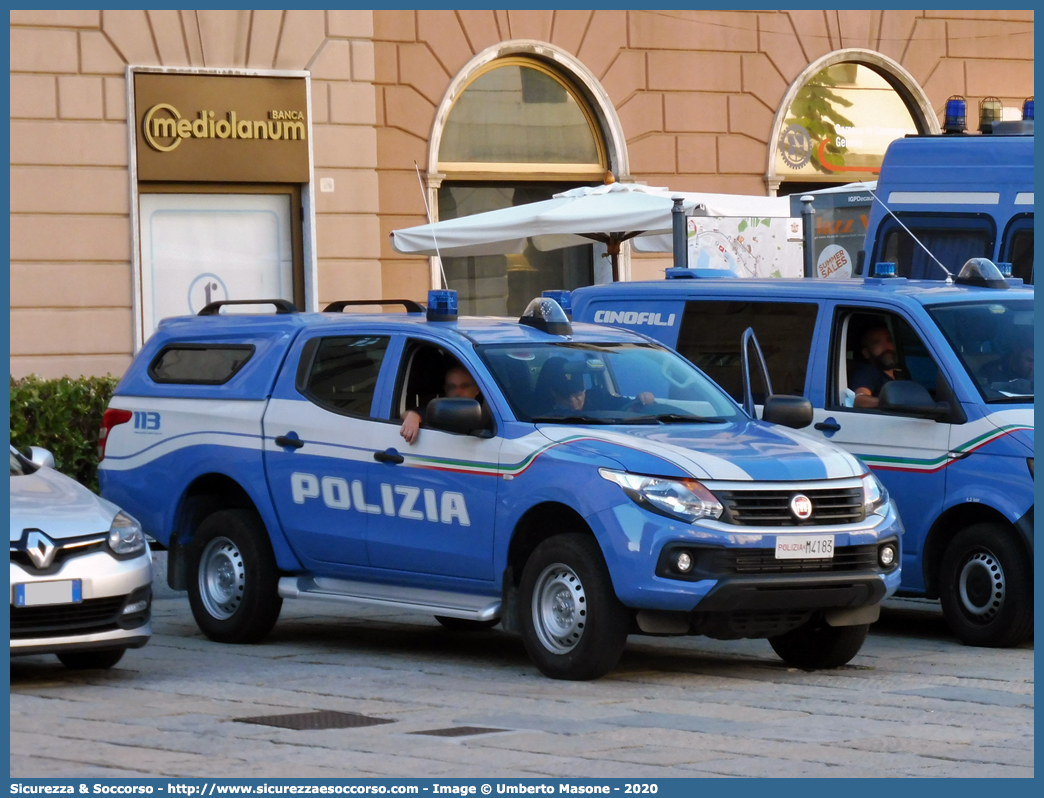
point(880, 365)
point(458, 384)
point(1015, 368)
point(569, 393)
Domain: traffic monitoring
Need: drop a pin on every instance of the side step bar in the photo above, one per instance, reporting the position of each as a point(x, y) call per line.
point(435, 602)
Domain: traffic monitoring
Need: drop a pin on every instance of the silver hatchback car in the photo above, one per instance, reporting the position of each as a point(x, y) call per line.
point(81, 570)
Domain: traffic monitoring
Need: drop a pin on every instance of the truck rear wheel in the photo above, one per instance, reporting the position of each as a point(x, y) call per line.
point(986, 588)
point(817, 646)
point(233, 579)
point(573, 625)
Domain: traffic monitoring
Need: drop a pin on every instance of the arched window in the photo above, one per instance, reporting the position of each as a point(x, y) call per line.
point(519, 117)
point(839, 125)
point(518, 131)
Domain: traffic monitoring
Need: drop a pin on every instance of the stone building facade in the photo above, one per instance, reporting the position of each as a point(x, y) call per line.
point(692, 100)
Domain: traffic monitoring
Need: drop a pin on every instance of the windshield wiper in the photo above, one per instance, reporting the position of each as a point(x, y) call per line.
point(1013, 398)
point(570, 420)
point(677, 418)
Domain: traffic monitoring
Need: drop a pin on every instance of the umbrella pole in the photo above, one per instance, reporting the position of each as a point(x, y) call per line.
point(612, 248)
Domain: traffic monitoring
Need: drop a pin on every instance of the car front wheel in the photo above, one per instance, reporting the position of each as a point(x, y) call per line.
point(233, 578)
point(573, 625)
point(986, 589)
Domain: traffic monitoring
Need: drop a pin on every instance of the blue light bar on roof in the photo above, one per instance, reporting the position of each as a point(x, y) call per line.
point(884, 269)
point(563, 298)
point(442, 305)
point(956, 115)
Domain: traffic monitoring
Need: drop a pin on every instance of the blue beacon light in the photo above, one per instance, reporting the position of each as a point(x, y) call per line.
point(442, 305)
point(563, 298)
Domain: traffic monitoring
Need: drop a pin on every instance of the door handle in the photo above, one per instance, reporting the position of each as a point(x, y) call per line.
point(827, 426)
point(388, 456)
point(295, 443)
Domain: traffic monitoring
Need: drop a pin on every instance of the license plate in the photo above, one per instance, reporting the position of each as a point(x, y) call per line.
point(810, 547)
point(40, 594)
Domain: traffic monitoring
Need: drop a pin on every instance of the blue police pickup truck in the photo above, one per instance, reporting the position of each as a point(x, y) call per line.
point(577, 484)
point(929, 382)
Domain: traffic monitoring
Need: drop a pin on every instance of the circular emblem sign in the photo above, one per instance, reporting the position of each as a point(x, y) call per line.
point(206, 288)
point(795, 146)
point(801, 507)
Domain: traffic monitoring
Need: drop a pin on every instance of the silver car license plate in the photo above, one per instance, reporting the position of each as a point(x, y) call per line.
point(808, 547)
point(40, 594)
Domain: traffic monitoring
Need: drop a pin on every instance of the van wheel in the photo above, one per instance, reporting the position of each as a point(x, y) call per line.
point(91, 660)
point(233, 579)
point(985, 588)
point(573, 625)
point(465, 624)
point(817, 646)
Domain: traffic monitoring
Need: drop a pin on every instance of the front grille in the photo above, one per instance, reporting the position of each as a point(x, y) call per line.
point(763, 561)
point(772, 507)
point(87, 617)
point(66, 551)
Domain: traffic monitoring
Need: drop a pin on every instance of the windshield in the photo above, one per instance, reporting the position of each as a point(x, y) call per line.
point(994, 340)
point(569, 383)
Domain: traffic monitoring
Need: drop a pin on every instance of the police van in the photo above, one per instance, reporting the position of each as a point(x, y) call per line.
point(942, 200)
point(951, 432)
point(593, 485)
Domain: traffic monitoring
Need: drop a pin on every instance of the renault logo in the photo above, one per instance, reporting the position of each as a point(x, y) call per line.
point(801, 507)
point(40, 549)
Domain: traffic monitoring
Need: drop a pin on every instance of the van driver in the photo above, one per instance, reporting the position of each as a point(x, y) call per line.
point(880, 365)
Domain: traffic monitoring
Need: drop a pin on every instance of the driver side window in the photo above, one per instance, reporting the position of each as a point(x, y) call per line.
point(430, 372)
point(873, 348)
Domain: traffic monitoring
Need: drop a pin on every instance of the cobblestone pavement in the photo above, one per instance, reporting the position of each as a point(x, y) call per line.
point(914, 702)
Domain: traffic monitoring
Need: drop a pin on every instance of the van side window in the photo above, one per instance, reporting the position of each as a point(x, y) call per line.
point(862, 359)
point(1020, 254)
point(199, 364)
point(343, 372)
point(952, 247)
point(710, 338)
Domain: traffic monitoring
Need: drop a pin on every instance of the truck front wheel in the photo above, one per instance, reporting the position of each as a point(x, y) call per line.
point(573, 625)
point(233, 579)
point(816, 645)
point(986, 588)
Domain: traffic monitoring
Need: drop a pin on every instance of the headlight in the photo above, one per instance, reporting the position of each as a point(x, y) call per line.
point(125, 535)
point(685, 499)
point(874, 494)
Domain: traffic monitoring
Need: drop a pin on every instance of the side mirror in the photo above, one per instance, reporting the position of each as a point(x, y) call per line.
point(909, 398)
point(789, 411)
point(454, 415)
point(41, 457)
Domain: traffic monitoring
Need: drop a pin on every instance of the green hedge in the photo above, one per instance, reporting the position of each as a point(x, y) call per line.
point(63, 415)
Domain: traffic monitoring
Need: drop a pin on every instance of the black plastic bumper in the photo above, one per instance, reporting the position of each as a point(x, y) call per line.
point(793, 592)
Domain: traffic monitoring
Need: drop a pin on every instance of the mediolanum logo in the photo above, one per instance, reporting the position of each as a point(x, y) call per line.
point(164, 128)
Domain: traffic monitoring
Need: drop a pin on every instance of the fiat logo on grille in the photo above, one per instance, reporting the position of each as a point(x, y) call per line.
point(801, 507)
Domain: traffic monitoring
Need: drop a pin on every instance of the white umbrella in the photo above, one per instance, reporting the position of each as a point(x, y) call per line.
point(610, 214)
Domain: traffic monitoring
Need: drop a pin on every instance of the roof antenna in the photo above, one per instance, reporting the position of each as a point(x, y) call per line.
point(424, 196)
point(949, 274)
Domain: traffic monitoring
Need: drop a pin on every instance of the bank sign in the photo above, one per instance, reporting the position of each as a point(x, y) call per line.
point(221, 128)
